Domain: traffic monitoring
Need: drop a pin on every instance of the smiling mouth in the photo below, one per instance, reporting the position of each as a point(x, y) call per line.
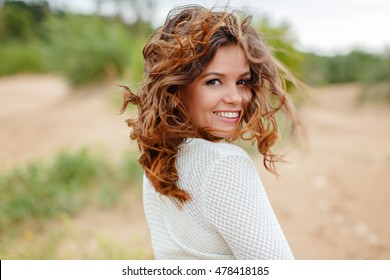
point(228, 115)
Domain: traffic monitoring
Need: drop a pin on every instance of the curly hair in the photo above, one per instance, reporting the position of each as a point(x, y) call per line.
point(174, 56)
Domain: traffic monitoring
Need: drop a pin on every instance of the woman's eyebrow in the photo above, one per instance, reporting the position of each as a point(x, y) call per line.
point(246, 74)
point(214, 73)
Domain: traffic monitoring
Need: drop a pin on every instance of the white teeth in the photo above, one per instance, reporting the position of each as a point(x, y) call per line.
point(228, 115)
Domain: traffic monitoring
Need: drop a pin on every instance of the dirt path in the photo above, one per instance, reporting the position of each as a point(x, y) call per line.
point(332, 201)
point(39, 115)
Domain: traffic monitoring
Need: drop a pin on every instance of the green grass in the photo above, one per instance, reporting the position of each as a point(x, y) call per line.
point(64, 239)
point(37, 194)
point(72, 181)
point(38, 191)
point(18, 57)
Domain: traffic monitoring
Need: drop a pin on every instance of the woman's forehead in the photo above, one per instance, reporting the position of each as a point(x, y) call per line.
point(228, 60)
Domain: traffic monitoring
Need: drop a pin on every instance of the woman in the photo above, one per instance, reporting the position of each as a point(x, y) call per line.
point(209, 80)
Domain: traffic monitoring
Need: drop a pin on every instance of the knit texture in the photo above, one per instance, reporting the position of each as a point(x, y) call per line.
point(229, 215)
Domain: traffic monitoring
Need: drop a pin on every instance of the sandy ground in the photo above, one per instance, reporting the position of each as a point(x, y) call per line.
point(332, 199)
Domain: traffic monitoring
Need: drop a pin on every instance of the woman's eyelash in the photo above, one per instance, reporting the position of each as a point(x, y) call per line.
point(243, 82)
point(217, 81)
point(213, 82)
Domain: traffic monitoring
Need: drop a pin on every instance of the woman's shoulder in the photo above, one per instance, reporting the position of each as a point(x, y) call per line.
point(199, 159)
point(220, 149)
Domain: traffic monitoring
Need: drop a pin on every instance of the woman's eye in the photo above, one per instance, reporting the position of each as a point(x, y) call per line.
point(243, 82)
point(213, 82)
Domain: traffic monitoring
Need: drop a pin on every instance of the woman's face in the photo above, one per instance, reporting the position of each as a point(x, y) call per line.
point(216, 98)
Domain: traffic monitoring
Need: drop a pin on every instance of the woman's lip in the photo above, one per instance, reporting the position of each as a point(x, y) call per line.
point(229, 120)
point(227, 111)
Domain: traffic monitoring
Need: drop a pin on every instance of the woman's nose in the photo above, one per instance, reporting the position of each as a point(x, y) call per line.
point(233, 95)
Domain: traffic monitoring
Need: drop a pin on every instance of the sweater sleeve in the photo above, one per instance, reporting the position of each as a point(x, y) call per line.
point(235, 202)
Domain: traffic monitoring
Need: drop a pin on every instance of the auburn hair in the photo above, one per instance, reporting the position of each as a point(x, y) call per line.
point(174, 56)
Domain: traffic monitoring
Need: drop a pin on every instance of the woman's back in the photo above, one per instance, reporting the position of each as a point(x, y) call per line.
point(229, 215)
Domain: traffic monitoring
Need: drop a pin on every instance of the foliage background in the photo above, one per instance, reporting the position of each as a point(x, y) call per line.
point(89, 49)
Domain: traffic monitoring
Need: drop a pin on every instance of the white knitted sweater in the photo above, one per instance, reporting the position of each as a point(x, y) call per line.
point(229, 215)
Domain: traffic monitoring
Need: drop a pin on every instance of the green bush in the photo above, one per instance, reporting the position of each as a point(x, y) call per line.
point(87, 48)
point(21, 20)
point(282, 42)
point(356, 66)
point(15, 23)
point(16, 56)
point(131, 169)
point(38, 191)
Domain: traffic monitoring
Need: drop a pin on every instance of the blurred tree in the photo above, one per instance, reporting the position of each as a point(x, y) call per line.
point(383, 69)
point(282, 43)
point(314, 69)
point(130, 11)
point(21, 20)
point(87, 48)
point(356, 66)
point(15, 23)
